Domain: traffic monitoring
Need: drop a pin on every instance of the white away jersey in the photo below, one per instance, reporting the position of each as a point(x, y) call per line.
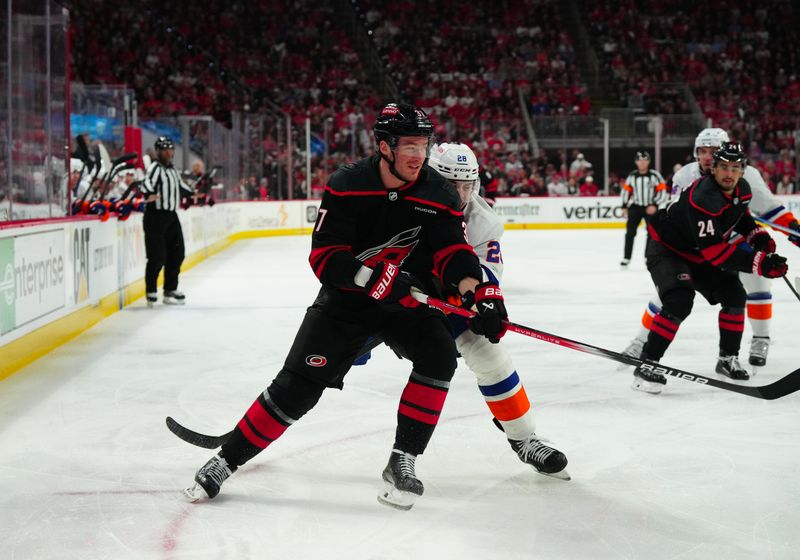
point(484, 230)
point(764, 203)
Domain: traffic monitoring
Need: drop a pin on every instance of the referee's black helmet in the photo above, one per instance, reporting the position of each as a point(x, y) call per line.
point(164, 143)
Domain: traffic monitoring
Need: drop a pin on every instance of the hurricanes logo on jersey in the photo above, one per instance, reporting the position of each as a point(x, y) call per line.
point(394, 251)
point(315, 360)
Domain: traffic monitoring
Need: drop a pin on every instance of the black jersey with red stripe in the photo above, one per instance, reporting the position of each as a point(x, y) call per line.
point(698, 225)
point(418, 227)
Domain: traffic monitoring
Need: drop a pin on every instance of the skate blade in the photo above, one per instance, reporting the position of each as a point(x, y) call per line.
point(398, 499)
point(561, 475)
point(646, 386)
point(174, 302)
point(195, 493)
point(151, 304)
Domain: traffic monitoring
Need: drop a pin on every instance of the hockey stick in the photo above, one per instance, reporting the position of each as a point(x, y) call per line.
point(780, 388)
point(212, 442)
point(196, 438)
point(778, 227)
point(789, 283)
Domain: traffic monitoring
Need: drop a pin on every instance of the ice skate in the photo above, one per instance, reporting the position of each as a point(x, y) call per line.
point(402, 486)
point(729, 366)
point(545, 459)
point(174, 297)
point(152, 298)
point(648, 381)
point(759, 347)
point(624, 263)
point(634, 350)
point(209, 479)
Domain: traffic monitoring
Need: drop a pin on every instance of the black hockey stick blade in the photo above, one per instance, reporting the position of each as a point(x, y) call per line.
point(125, 157)
point(780, 388)
point(196, 438)
point(81, 151)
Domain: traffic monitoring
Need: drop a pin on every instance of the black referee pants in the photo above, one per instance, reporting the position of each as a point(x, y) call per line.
point(636, 214)
point(163, 243)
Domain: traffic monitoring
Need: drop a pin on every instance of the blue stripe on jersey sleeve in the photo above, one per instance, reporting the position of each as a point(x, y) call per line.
point(773, 212)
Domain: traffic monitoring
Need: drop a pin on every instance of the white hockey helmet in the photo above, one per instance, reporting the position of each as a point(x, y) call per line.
point(710, 138)
point(457, 163)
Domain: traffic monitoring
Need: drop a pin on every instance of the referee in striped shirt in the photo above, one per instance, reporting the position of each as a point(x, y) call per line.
point(643, 192)
point(163, 236)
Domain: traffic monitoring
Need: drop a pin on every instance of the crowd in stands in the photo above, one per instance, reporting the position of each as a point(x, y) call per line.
point(465, 63)
point(217, 56)
point(739, 59)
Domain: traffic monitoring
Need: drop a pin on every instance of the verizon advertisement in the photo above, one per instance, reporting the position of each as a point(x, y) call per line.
point(560, 210)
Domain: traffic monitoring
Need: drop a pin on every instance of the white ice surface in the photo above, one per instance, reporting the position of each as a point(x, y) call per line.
point(88, 470)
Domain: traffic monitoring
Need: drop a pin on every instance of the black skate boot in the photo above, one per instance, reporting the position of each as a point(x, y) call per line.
point(545, 459)
point(647, 380)
point(209, 479)
point(729, 366)
point(152, 298)
point(402, 485)
point(759, 347)
point(174, 297)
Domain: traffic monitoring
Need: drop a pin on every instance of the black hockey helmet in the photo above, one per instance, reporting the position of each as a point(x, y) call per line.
point(731, 152)
point(642, 154)
point(401, 119)
point(164, 143)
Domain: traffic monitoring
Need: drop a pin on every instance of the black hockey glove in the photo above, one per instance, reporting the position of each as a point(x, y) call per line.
point(795, 238)
point(389, 285)
point(770, 265)
point(760, 240)
point(491, 318)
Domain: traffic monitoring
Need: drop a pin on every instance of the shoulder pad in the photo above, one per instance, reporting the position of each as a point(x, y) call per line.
point(359, 176)
point(434, 188)
point(686, 175)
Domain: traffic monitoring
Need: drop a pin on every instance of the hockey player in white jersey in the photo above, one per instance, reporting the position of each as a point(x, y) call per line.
point(498, 381)
point(764, 205)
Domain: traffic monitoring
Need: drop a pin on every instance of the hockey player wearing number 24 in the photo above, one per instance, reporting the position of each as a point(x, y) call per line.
point(689, 251)
point(763, 205)
point(384, 222)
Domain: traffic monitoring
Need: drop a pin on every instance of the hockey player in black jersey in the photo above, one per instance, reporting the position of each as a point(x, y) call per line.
point(385, 224)
point(689, 250)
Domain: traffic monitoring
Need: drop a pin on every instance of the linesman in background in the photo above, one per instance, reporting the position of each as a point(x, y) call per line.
point(163, 236)
point(643, 193)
